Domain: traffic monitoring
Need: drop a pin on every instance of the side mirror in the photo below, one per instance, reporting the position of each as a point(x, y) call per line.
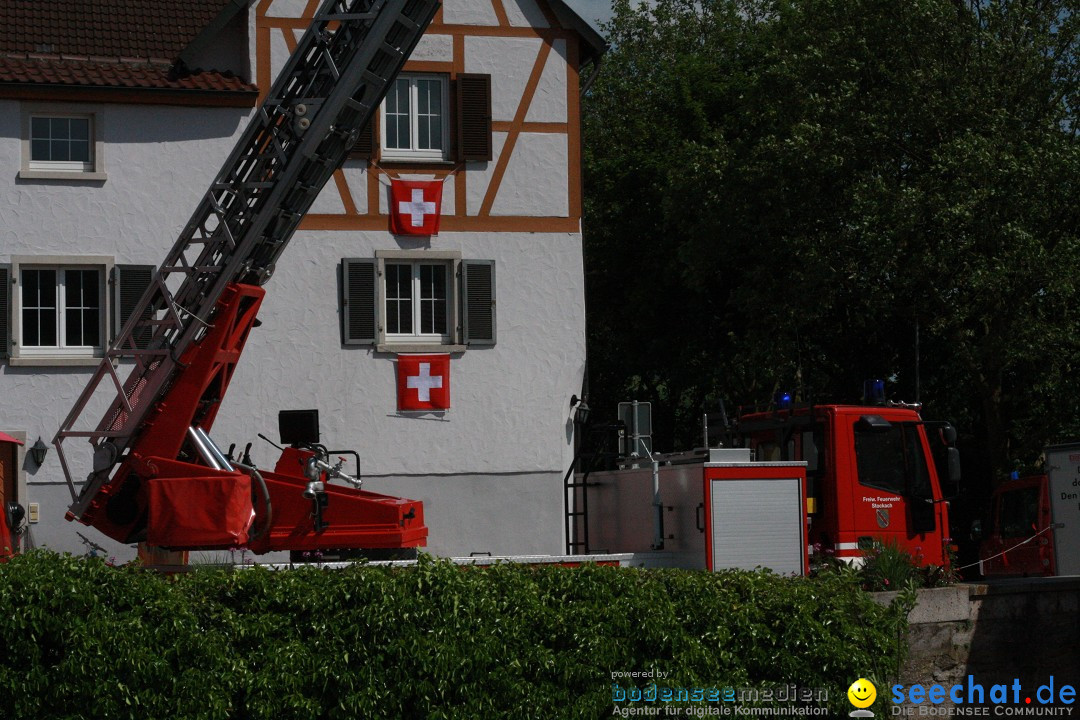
point(976, 530)
point(953, 456)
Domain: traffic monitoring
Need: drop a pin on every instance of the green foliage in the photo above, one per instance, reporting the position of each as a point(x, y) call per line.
point(786, 193)
point(84, 640)
point(889, 567)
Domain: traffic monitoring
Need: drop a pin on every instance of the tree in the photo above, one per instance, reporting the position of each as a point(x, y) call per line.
point(808, 193)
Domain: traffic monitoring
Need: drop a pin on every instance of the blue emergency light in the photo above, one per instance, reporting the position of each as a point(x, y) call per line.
point(783, 400)
point(873, 392)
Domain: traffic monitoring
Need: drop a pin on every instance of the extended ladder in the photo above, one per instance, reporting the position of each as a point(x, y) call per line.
point(328, 90)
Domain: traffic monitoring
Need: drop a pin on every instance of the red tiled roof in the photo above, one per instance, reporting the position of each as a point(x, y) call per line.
point(99, 44)
point(101, 73)
point(104, 28)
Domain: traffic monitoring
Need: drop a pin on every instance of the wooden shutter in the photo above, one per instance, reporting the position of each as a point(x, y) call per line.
point(358, 311)
point(473, 117)
point(478, 302)
point(5, 310)
point(364, 147)
point(129, 284)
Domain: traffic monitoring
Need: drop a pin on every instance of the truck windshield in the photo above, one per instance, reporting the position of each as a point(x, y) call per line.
point(892, 459)
point(1019, 513)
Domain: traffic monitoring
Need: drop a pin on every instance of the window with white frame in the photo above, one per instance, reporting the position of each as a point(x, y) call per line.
point(62, 142)
point(416, 301)
point(61, 311)
point(64, 310)
point(415, 118)
point(406, 300)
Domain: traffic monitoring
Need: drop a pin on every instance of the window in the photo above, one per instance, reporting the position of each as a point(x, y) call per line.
point(61, 142)
point(1019, 512)
point(55, 310)
point(428, 299)
point(61, 311)
point(891, 458)
point(432, 118)
point(415, 118)
point(417, 303)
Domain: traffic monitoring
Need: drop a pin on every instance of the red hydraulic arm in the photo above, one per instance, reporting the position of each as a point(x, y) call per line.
point(156, 475)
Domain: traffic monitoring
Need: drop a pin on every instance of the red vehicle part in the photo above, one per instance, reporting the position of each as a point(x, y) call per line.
point(163, 492)
point(871, 478)
point(1018, 543)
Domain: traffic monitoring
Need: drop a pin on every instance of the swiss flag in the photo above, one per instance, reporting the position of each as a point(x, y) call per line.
point(415, 206)
point(423, 382)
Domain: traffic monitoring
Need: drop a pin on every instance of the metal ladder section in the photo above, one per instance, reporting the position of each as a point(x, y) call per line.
point(592, 454)
point(328, 90)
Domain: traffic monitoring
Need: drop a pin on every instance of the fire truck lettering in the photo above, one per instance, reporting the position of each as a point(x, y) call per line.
point(881, 505)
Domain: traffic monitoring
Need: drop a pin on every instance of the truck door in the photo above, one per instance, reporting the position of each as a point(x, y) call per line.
point(891, 459)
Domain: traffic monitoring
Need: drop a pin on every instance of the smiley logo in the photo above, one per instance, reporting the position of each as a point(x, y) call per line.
point(862, 693)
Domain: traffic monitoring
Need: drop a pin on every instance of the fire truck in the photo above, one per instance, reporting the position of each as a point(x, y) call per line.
point(156, 475)
point(863, 476)
point(1034, 523)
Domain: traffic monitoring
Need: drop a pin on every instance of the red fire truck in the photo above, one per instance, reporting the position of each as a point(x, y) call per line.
point(874, 474)
point(156, 475)
point(1034, 523)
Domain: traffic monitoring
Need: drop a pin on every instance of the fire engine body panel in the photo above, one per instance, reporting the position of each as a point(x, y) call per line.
point(871, 479)
point(157, 476)
point(1035, 521)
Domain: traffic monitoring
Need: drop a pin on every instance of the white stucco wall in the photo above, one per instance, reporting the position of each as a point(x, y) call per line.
point(490, 470)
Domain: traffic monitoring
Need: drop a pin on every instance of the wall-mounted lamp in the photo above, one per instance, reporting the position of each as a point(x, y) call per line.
point(38, 452)
point(581, 415)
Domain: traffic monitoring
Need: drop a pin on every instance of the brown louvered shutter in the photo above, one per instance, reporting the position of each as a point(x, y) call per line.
point(474, 117)
point(364, 147)
point(129, 284)
point(5, 311)
point(478, 302)
point(358, 278)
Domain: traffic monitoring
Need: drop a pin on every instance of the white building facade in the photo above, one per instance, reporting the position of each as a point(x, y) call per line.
point(102, 178)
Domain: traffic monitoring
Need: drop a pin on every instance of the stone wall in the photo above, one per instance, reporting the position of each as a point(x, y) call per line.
point(996, 633)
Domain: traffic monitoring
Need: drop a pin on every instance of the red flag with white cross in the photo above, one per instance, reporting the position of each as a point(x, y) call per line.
point(423, 382)
point(415, 207)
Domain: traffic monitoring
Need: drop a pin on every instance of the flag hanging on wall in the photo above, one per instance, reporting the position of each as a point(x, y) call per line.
point(423, 382)
point(415, 206)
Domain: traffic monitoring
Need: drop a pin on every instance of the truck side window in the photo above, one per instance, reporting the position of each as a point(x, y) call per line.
point(893, 460)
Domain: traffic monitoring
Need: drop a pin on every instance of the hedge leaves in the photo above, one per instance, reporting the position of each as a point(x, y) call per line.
point(80, 639)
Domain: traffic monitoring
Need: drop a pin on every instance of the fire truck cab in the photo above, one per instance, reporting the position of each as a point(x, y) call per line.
point(1017, 543)
point(874, 474)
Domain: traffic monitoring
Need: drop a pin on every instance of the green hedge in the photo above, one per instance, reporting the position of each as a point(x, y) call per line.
point(80, 639)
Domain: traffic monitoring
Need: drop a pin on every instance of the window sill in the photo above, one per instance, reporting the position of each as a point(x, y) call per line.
point(70, 175)
point(54, 361)
point(415, 161)
point(400, 347)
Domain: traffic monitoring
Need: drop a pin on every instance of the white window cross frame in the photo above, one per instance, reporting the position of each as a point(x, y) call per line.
point(52, 134)
point(58, 351)
point(416, 106)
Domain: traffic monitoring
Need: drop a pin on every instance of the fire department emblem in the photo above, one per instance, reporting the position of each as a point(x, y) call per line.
point(883, 518)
